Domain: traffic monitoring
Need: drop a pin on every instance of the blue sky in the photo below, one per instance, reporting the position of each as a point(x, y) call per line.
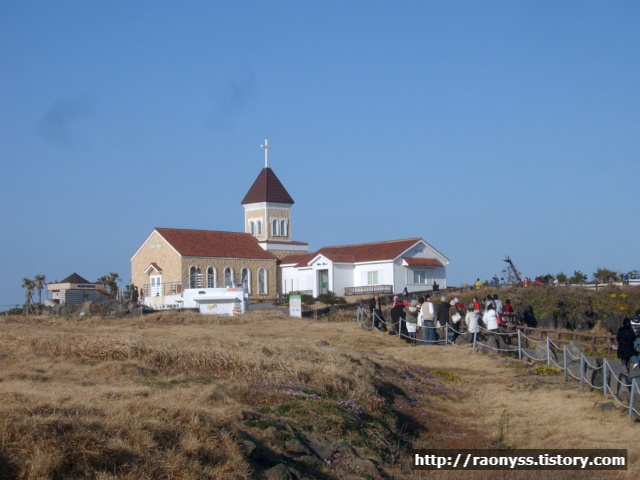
point(488, 128)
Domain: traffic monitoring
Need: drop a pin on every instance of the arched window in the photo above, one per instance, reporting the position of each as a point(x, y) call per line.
point(252, 226)
point(228, 277)
point(259, 227)
point(283, 228)
point(274, 228)
point(246, 279)
point(212, 281)
point(195, 277)
point(262, 281)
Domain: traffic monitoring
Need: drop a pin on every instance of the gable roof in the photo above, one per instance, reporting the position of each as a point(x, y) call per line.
point(211, 243)
point(363, 252)
point(153, 266)
point(267, 188)
point(372, 252)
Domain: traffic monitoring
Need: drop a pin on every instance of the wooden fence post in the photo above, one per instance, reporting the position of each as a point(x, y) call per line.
point(632, 397)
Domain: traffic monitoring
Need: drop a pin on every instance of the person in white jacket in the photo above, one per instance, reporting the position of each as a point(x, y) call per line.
point(490, 318)
point(471, 319)
point(428, 321)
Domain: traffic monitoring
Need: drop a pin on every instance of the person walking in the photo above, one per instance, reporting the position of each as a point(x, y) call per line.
point(490, 319)
point(626, 345)
point(455, 316)
point(442, 314)
point(471, 319)
point(411, 313)
point(397, 315)
point(428, 321)
point(497, 303)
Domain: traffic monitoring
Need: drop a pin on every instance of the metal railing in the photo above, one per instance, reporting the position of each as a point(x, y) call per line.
point(368, 290)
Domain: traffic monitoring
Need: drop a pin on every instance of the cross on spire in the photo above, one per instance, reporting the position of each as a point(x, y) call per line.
point(266, 147)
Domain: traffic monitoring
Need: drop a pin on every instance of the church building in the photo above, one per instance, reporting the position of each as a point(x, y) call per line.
point(266, 260)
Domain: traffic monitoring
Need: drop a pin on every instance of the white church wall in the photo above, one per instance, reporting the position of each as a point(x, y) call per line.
point(375, 273)
point(342, 277)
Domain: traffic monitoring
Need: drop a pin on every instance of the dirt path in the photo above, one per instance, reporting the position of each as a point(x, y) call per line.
point(508, 400)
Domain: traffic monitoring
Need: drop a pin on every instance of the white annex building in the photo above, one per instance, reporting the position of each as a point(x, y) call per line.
point(268, 263)
point(384, 267)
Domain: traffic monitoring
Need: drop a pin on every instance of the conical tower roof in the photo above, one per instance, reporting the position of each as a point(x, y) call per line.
point(267, 188)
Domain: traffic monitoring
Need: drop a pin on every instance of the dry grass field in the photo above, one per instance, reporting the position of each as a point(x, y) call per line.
point(186, 396)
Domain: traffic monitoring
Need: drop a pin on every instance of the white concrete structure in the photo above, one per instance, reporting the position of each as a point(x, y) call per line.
point(218, 301)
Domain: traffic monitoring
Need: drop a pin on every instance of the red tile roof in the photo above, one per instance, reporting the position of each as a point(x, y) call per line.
point(210, 243)
point(340, 257)
point(300, 259)
point(372, 252)
point(267, 188)
point(423, 262)
point(364, 252)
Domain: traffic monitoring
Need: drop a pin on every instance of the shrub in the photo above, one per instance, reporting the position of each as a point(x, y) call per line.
point(307, 299)
point(330, 298)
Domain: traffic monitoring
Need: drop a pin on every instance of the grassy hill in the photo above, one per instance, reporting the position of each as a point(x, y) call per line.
point(186, 396)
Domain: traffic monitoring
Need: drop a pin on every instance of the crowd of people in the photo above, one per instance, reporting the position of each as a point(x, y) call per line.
point(424, 320)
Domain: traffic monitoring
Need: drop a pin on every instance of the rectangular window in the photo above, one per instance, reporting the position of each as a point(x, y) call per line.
point(372, 278)
point(420, 276)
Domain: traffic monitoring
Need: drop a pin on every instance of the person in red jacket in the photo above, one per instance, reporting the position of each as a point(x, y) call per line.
point(507, 306)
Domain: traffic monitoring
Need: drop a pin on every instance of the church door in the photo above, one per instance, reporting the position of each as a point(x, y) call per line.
point(156, 285)
point(323, 281)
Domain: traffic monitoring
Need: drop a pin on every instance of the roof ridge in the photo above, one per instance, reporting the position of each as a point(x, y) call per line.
point(373, 243)
point(200, 230)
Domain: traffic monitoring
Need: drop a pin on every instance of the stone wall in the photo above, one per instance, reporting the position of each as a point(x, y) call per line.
point(156, 250)
point(237, 264)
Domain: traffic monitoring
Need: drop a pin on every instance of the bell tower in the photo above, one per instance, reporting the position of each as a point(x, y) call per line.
point(267, 211)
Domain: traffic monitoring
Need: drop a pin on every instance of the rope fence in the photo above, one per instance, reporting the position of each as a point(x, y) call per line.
point(596, 373)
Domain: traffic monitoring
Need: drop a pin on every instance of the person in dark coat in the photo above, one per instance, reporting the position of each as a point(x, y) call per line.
point(397, 312)
point(626, 345)
point(442, 315)
point(376, 314)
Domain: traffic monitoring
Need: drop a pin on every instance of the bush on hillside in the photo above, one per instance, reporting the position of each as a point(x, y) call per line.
point(572, 307)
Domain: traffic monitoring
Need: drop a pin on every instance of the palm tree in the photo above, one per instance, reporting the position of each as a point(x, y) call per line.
point(39, 282)
point(29, 285)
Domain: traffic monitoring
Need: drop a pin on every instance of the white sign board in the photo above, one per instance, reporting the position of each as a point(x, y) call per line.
point(295, 305)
